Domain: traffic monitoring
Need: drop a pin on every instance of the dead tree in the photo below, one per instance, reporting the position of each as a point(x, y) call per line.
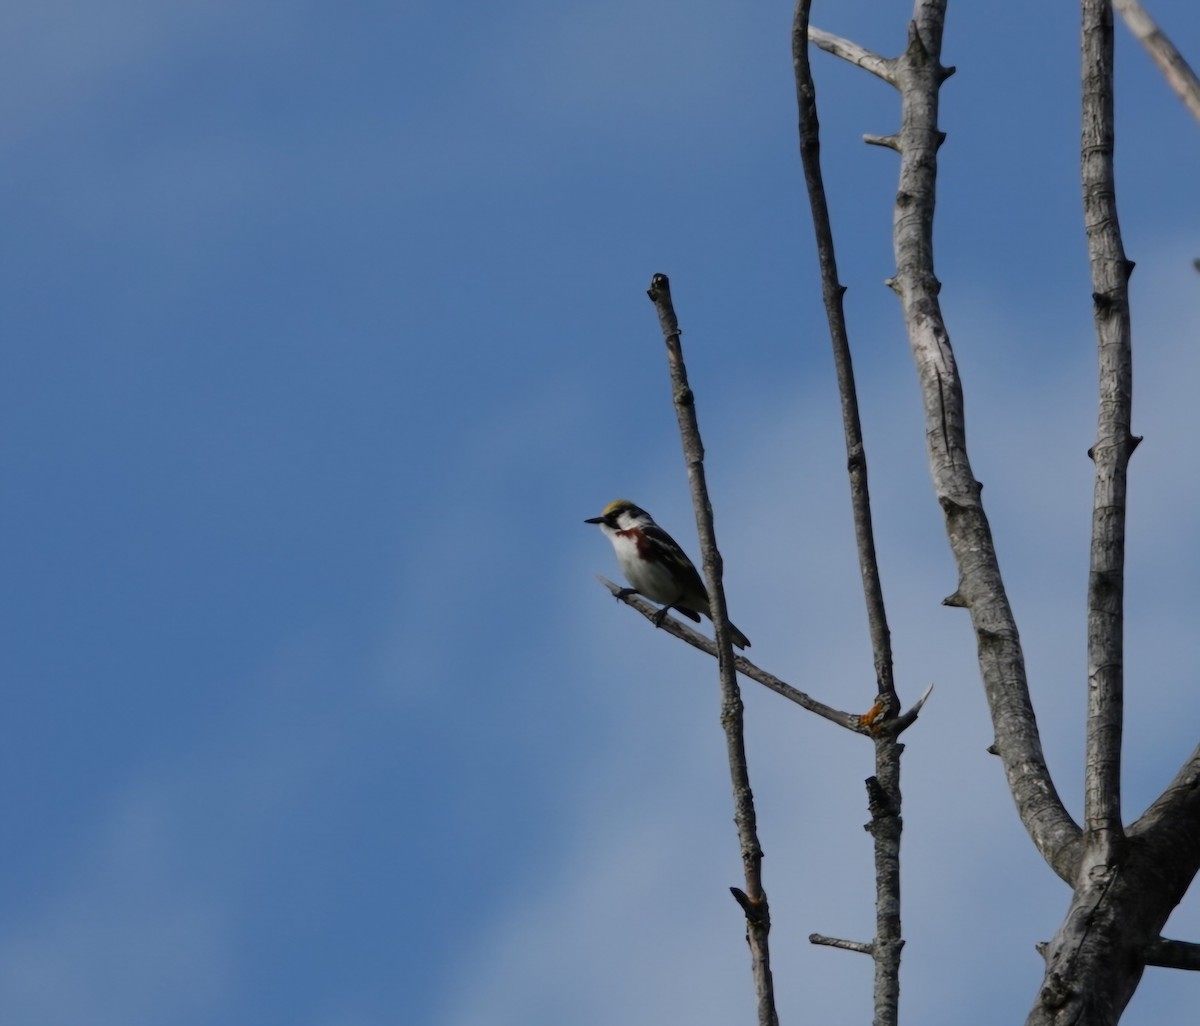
point(1125, 878)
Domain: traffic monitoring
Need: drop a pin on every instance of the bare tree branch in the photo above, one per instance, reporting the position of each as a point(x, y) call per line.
point(837, 942)
point(884, 788)
point(1162, 952)
point(860, 56)
point(1114, 444)
point(754, 899)
point(1174, 954)
point(1178, 73)
point(903, 722)
point(679, 629)
point(850, 721)
point(1171, 826)
point(889, 142)
point(980, 587)
point(833, 291)
point(1125, 887)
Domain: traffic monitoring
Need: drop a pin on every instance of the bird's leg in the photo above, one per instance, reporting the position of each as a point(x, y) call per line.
point(662, 613)
point(624, 593)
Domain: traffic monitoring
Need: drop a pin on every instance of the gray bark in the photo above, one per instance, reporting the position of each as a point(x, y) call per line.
point(919, 75)
point(1126, 885)
point(883, 788)
point(753, 899)
point(1175, 69)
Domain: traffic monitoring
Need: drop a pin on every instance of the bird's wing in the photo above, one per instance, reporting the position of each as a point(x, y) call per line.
point(670, 552)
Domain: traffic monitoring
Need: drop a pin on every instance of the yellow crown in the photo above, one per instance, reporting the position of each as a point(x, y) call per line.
point(617, 504)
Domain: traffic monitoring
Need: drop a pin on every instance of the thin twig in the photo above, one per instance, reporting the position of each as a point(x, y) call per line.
point(1175, 69)
point(848, 720)
point(754, 899)
point(1114, 442)
point(681, 630)
point(833, 292)
point(886, 823)
point(888, 142)
point(1174, 954)
point(857, 55)
point(838, 942)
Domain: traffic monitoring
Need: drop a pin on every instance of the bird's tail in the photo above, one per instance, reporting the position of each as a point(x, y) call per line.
point(739, 639)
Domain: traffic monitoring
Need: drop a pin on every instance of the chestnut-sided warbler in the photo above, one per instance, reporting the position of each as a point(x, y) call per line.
point(655, 565)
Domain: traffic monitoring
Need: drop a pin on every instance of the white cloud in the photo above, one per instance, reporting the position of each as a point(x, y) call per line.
point(128, 939)
point(66, 55)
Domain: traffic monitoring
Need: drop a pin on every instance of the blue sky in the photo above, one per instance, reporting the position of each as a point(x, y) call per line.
point(326, 327)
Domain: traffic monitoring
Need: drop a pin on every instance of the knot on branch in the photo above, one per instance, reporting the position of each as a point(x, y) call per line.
point(916, 52)
point(952, 506)
point(660, 285)
point(1130, 442)
point(1106, 583)
point(879, 803)
point(755, 854)
point(1055, 992)
point(990, 635)
point(756, 910)
point(1106, 302)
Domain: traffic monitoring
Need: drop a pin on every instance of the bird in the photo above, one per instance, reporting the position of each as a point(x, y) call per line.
point(655, 565)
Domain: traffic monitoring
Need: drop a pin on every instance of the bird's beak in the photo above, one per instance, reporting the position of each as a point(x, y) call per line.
point(595, 520)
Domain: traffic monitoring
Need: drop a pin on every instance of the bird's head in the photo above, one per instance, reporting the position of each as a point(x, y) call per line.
point(620, 516)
